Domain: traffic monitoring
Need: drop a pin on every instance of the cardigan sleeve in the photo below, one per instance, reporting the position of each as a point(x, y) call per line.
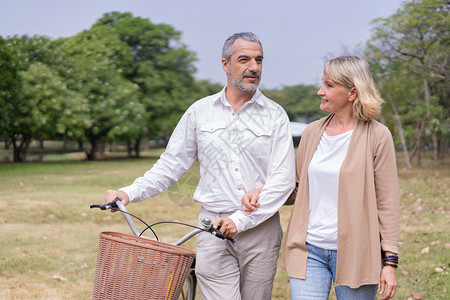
point(387, 191)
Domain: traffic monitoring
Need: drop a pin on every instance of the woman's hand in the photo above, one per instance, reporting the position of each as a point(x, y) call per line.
point(249, 202)
point(388, 282)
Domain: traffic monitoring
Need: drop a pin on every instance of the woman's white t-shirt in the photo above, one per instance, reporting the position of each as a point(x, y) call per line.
point(323, 180)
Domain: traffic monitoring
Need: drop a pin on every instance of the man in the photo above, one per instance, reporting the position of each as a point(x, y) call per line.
point(243, 141)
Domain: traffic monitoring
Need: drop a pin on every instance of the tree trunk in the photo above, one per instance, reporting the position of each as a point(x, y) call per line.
point(20, 148)
point(382, 118)
point(92, 153)
point(129, 149)
point(426, 88)
point(398, 124)
point(137, 145)
point(418, 147)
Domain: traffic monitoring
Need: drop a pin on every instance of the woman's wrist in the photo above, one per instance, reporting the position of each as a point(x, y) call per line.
point(390, 260)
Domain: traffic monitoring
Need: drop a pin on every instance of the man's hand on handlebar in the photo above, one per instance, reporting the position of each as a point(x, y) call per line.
point(226, 226)
point(111, 195)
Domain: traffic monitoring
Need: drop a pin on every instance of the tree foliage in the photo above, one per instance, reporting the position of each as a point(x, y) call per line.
point(300, 102)
point(35, 94)
point(92, 67)
point(410, 51)
point(9, 86)
point(161, 66)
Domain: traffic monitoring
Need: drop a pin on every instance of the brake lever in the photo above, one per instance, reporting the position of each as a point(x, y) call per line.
point(217, 233)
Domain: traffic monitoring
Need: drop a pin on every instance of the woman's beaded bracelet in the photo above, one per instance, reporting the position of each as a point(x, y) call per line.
point(390, 257)
point(391, 261)
point(390, 265)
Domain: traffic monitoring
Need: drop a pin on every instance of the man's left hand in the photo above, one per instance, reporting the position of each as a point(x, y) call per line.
point(227, 226)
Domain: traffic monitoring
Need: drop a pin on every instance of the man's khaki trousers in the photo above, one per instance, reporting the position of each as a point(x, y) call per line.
point(243, 270)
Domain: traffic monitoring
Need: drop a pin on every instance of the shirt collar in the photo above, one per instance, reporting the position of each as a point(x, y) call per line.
point(256, 97)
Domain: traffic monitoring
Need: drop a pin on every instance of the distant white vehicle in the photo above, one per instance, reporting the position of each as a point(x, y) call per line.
point(297, 130)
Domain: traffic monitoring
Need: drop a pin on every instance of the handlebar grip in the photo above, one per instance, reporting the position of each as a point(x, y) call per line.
point(217, 233)
point(106, 206)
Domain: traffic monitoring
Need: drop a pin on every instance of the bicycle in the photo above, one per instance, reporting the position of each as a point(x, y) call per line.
point(123, 261)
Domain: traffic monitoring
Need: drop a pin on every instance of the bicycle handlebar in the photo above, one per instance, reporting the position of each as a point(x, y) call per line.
point(109, 205)
point(117, 205)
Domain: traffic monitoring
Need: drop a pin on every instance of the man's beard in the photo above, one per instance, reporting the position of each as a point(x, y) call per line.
point(241, 86)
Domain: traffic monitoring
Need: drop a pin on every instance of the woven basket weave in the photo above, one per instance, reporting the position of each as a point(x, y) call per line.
point(130, 267)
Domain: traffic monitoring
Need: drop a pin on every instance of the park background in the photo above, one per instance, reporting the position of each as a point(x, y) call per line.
point(90, 111)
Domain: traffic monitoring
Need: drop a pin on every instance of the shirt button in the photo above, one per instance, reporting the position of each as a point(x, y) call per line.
point(236, 169)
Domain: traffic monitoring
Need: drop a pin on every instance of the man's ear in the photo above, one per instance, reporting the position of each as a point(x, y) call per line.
point(225, 66)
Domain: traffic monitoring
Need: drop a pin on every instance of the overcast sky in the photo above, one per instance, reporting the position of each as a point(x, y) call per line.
point(297, 35)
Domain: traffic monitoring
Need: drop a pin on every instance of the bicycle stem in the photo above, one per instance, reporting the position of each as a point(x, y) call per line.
point(204, 222)
point(128, 218)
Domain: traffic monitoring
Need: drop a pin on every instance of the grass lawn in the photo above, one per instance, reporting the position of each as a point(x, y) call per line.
point(49, 235)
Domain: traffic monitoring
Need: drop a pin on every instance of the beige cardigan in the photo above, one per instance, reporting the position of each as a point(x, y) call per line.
point(368, 205)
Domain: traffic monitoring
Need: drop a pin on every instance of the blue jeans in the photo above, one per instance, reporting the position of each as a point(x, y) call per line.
point(320, 273)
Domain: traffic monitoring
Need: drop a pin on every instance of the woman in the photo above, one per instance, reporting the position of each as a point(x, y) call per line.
point(344, 226)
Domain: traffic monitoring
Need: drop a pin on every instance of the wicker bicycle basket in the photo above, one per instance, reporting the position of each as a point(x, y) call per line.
point(130, 267)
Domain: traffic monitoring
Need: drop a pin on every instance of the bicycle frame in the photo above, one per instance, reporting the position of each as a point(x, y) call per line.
point(206, 224)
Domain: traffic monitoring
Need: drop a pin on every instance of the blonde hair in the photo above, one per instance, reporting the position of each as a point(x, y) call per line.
point(354, 72)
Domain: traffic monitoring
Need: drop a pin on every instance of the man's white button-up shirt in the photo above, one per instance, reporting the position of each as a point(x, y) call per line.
point(237, 152)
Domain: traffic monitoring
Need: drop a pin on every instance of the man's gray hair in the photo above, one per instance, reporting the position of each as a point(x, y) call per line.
point(228, 48)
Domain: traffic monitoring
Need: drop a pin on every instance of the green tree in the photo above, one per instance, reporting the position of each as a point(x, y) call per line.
point(43, 99)
point(9, 88)
point(161, 66)
point(202, 88)
point(416, 36)
point(93, 68)
point(30, 109)
point(300, 102)
point(398, 87)
point(132, 126)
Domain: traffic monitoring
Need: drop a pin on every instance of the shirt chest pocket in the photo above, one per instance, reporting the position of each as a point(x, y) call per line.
point(256, 140)
point(212, 136)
